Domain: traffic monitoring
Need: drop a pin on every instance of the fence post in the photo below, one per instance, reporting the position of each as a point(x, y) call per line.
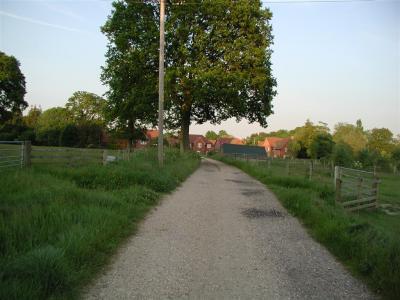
point(287, 169)
point(104, 157)
point(359, 187)
point(338, 190)
point(26, 155)
point(375, 185)
point(336, 175)
point(310, 172)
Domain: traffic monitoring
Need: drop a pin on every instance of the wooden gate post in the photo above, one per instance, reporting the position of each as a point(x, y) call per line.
point(336, 175)
point(338, 190)
point(375, 185)
point(27, 153)
point(359, 188)
point(104, 157)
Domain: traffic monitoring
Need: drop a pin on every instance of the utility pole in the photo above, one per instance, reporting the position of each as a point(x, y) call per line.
point(161, 88)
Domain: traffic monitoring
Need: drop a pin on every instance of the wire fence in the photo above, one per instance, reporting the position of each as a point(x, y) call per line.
point(18, 154)
point(11, 154)
point(355, 189)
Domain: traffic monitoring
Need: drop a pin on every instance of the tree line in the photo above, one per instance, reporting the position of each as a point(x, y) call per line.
point(218, 66)
point(348, 145)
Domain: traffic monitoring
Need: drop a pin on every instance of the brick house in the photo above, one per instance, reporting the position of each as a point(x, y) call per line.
point(277, 147)
point(153, 134)
point(201, 144)
point(150, 135)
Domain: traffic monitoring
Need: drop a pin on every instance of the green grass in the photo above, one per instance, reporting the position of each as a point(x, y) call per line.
point(367, 242)
point(59, 224)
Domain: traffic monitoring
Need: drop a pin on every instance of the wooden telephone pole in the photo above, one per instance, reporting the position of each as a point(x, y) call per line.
point(161, 88)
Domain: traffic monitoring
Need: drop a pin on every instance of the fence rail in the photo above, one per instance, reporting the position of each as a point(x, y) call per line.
point(291, 167)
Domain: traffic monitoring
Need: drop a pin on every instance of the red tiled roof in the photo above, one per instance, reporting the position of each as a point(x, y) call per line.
point(194, 137)
point(236, 141)
point(276, 142)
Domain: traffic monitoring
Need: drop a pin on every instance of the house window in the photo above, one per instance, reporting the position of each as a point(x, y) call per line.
point(143, 142)
point(199, 145)
point(208, 146)
point(285, 150)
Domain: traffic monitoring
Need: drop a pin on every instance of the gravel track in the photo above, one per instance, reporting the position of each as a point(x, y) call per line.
point(223, 235)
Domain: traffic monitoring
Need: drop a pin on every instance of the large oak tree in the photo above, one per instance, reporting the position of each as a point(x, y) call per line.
point(12, 88)
point(217, 61)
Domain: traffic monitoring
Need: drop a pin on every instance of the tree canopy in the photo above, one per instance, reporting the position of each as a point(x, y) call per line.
point(86, 107)
point(321, 146)
point(211, 135)
point(12, 88)
point(131, 69)
point(381, 141)
point(217, 62)
point(352, 135)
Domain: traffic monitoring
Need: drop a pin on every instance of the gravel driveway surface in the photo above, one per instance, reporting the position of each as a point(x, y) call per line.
point(223, 235)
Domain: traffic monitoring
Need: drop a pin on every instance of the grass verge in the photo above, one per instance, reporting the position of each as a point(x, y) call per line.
point(368, 243)
point(59, 225)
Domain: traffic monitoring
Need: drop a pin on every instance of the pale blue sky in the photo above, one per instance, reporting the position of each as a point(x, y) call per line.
point(334, 62)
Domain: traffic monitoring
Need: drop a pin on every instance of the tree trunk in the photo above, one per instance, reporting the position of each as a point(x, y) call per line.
point(184, 143)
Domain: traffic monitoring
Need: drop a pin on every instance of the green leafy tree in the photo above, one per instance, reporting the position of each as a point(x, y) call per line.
point(86, 107)
point(342, 155)
point(131, 69)
point(217, 63)
point(282, 133)
point(321, 146)
point(69, 136)
point(211, 135)
point(223, 134)
point(32, 117)
point(352, 135)
point(12, 88)
point(396, 157)
point(381, 141)
point(305, 135)
point(294, 148)
point(367, 158)
point(90, 135)
point(255, 138)
point(50, 125)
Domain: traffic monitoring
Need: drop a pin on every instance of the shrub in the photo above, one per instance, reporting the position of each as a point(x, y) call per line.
point(69, 136)
point(342, 155)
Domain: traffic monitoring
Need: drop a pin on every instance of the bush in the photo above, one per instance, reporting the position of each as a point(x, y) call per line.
point(48, 137)
point(69, 136)
point(342, 155)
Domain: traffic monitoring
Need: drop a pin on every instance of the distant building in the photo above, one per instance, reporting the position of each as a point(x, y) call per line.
point(277, 147)
point(227, 140)
point(244, 150)
point(152, 135)
point(200, 143)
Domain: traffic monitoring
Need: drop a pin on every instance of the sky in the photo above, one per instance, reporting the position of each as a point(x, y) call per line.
point(334, 62)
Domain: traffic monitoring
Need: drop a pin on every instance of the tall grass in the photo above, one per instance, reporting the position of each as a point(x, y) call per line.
point(368, 243)
point(59, 225)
